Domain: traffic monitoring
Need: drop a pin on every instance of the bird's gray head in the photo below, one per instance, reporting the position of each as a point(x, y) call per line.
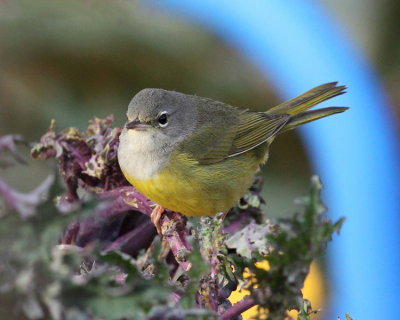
point(167, 115)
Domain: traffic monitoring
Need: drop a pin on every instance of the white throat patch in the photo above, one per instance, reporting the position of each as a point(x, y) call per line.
point(138, 155)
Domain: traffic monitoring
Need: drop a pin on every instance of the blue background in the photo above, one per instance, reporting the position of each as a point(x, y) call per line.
point(297, 45)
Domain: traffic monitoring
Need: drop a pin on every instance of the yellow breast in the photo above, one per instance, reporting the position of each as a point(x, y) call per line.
point(171, 193)
point(199, 190)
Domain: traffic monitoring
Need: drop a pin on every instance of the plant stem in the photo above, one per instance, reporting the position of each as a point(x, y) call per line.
point(246, 303)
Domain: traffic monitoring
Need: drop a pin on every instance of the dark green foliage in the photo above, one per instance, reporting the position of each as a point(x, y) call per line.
point(293, 244)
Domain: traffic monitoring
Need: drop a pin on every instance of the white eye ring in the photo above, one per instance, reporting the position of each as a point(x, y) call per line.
point(163, 119)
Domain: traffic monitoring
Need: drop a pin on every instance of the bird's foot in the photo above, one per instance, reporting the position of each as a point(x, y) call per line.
point(223, 215)
point(156, 216)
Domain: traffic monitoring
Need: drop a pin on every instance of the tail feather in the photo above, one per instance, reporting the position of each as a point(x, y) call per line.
point(308, 99)
point(309, 116)
point(297, 107)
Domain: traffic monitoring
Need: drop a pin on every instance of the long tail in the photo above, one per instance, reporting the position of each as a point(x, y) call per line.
point(297, 107)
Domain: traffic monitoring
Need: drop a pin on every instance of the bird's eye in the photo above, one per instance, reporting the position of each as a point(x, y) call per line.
point(163, 119)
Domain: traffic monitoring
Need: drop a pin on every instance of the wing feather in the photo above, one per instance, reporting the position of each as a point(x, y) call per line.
point(249, 130)
point(226, 131)
point(254, 129)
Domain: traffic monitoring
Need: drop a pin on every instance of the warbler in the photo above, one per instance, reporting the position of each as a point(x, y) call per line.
point(197, 156)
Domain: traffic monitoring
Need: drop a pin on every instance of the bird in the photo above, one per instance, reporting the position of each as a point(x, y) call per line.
point(198, 156)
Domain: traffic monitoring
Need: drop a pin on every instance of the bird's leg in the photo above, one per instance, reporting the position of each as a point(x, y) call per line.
point(222, 217)
point(156, 216)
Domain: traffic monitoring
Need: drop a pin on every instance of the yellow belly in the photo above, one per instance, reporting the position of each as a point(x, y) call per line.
point(200, 190)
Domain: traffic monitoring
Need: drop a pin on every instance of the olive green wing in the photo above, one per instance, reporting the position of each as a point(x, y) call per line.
point(226, 131)
point(255, 128)
point(240, 130)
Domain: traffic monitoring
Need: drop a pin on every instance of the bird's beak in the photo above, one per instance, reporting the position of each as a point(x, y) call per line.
point(137, 125)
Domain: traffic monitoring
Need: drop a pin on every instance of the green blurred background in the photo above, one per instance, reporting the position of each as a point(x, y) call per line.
point(71, 60)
